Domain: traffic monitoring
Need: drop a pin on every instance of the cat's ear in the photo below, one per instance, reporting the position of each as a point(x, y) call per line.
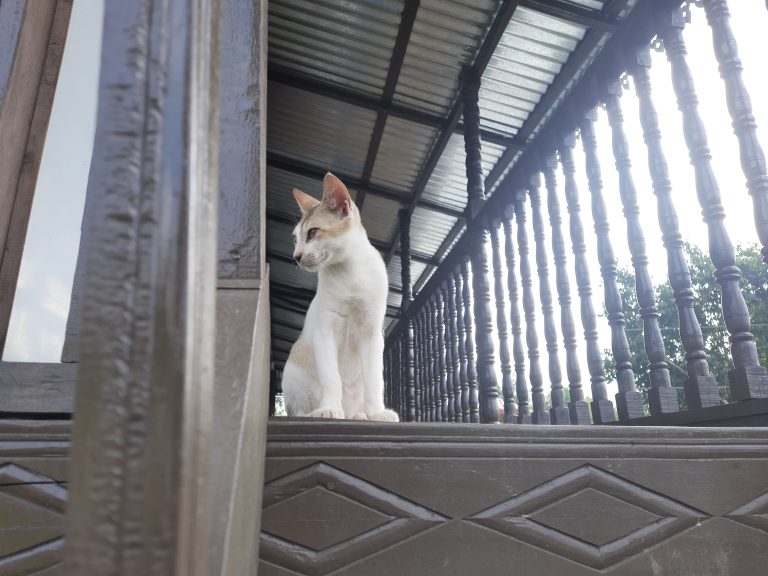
point(336, 196)
point(306, 202)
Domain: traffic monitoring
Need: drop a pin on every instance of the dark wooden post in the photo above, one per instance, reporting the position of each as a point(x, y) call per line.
point(518, 353)
point(559, 413)
point(577, 406)
point(458, 280)
point(405, 275)
point(602, 407)
point(539, 414)
point(479, 237)
point(700, 387)
point(748, 379)
point(507, 386)
point(428, 375)
point(740, 108)
point(474, 409)
point(629, 402)
point(139, 501)
point(450, 299)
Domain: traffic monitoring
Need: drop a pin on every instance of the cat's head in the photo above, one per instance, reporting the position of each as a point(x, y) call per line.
point(322, 235)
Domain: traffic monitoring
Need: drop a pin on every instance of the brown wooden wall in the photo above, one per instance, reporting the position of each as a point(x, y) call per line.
point(367, 499)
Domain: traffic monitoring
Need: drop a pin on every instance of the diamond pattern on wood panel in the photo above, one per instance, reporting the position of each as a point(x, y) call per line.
point(320, 518)
point(32, 508)
point(754, 513)
point(590, 516)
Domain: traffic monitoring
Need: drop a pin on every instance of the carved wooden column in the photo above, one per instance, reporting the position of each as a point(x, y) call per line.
point(458, 280)
point(559, 413)
point(418, 366)
point(435, 355)
point(427, 331)
point(539, 414)
point(578, 408)
point(479, 237)
point(139, 493)
point(748, 379)
point(740, 108)
point(602, 407)
point(518, 353)
point(629, 402)
point(474, 409)
point(507, 386)
point(455, 383)
point(700, 387)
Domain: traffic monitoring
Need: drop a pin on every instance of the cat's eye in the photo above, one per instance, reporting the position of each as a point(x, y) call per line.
point(311, 233)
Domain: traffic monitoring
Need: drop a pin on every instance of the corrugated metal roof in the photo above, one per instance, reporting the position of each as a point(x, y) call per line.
point(380, 217)
point(403, 149)
point(318, 130)
point(448, 184)
point(428, 230)
point(344, 42)
point(532, 50)
point(445, 37)
point(394, 271)
point(280, 185)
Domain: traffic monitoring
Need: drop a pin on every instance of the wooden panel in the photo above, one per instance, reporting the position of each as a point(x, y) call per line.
point(425, 498)
point(140, 458)
point(32, 154)
point(28, 387)
point(33, 458)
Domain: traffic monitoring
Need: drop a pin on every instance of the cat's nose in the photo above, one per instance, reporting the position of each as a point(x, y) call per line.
point(297, 257)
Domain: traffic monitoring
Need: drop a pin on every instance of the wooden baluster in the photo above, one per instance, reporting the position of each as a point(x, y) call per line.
point(474, 408)
point(454, 347)
point(409, 393)
point(428, 413)
point(539, 414)
point(629, 402)
point(518, 353)
point(441, 358)
point(700, 387)
point(559, 413)
point(434, 377)
point(447, 340)
point(507, 386)
point(463, 369)
point(602, 407)
point(419, 360)
point(740, 108)
point(578, 408)
point(748, 379)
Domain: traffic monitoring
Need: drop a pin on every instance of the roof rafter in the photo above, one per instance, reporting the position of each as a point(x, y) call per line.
point(395, 64)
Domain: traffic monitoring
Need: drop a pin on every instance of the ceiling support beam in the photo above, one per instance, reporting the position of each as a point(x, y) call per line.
point(487, 49)
point(395, 64)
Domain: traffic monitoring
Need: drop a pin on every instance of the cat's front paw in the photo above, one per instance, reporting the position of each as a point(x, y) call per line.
point(337, 413)
point(384, 416)
point(359, 416)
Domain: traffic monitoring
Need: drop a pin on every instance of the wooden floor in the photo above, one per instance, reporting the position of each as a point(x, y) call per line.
point(358, 498)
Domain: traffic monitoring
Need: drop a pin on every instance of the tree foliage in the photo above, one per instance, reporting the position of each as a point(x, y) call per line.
point(707, 305)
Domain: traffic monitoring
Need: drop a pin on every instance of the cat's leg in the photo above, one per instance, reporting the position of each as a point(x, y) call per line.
point(372, 355)
point(327, 368)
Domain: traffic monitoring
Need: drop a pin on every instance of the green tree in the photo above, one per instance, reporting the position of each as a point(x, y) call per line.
point(707, 305)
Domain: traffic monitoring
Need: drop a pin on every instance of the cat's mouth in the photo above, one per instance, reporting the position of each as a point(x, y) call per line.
point(311, 264)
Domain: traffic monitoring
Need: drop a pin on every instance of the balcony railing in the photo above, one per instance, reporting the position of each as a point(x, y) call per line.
point(450, 360)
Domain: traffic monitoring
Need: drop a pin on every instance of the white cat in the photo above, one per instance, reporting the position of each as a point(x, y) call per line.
point(335, 369)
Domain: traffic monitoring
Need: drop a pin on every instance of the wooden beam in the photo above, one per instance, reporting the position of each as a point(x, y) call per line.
point(31, 43)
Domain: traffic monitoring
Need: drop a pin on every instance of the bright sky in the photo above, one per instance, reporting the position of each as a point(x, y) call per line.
point(42, 300)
